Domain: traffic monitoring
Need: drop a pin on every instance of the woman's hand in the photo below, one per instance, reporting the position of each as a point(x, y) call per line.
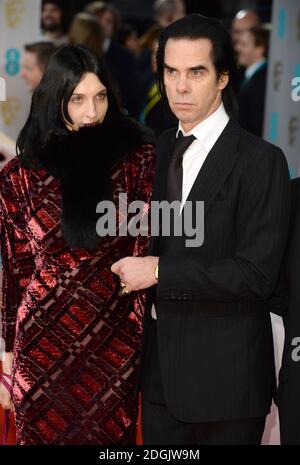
point(6, 154)
point(5, 398)
point(6, 382)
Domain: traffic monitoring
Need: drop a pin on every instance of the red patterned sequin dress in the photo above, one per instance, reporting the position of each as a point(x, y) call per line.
point(75, 338)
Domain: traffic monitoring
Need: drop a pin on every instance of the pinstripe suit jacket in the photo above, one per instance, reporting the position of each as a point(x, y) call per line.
point(214, 331)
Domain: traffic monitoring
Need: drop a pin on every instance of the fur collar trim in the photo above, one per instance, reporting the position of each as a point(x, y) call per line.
point(83, 161)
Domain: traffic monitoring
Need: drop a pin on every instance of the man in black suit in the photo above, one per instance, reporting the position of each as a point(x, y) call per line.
point(252, 50)
point(207, 372)
point(286, 302)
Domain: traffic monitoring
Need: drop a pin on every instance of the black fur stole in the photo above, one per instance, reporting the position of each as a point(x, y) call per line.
point(83, 161)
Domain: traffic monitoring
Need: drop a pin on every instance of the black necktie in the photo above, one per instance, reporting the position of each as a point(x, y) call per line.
point(175, 171)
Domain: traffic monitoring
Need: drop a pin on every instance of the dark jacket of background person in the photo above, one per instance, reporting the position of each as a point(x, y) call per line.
point(123, 67)
point(120, 61)
point(252, 102)
point(156, 113)
point(286, 302)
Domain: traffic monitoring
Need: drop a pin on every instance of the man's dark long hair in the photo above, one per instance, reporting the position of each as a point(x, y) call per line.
point(195, 27)
point(65, 70)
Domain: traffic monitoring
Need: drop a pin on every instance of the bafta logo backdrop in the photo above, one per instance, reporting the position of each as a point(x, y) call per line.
point(282, 126)
point(19, 24)
point(14, 11)
point(2, 89)
point(277, 75)
point(282, 108)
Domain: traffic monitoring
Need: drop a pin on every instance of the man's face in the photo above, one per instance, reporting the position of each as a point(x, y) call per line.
point(51, 17)
point(106, 20)
point(178, 13)
point(180, 10)
point(31, 72)
point(239, 26)
point(248, 53)
point(132, 43)
point(191, 83)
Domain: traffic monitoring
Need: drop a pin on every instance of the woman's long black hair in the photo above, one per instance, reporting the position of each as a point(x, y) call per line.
point(49, 106)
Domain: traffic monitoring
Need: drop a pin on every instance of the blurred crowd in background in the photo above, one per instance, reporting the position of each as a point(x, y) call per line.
point(128, 46)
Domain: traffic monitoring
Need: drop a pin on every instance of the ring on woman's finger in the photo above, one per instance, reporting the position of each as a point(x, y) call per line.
point(126, 291)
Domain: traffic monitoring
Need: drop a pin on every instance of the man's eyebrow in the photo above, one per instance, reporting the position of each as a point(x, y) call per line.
point(193, 68)
point(169, 67)
point(197, 68)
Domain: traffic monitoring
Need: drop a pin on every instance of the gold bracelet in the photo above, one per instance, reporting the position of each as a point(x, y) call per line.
point(156, 272)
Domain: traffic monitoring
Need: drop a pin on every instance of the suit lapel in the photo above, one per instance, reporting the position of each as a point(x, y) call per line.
point(217, 166)
point(164, 156)
point(215, 169)
point(211, 177)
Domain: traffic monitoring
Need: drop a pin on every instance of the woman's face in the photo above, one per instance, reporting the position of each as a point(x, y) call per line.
point(88, 103)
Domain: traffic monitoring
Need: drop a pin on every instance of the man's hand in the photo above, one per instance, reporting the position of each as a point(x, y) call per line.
point(136, 272)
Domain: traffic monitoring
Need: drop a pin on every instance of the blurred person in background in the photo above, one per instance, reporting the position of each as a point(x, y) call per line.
point(86, 30)
point(119, 60)
point(108, 16)
point(128, 37)
point(252, 51)
point(165, 12)
point(72, 335)
point(243, 21)
point(156, 112)
point(145, 58)
point(34, 62)
point(54, 22)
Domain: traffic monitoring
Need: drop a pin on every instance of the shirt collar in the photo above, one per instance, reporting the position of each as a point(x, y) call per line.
point(251, 70)
point(208, 130)
point(106, 44)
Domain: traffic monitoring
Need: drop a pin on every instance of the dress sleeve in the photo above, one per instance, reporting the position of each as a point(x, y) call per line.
point(141, 179)
point(144, 175)
point(17, 259)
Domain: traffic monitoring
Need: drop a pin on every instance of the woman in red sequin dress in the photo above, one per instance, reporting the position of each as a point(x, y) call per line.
point(73, 338)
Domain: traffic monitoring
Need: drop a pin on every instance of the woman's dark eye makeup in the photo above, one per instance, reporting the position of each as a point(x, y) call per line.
point(78, 97)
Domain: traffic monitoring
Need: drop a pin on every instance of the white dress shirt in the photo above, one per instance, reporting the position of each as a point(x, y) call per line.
point(206, 135)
